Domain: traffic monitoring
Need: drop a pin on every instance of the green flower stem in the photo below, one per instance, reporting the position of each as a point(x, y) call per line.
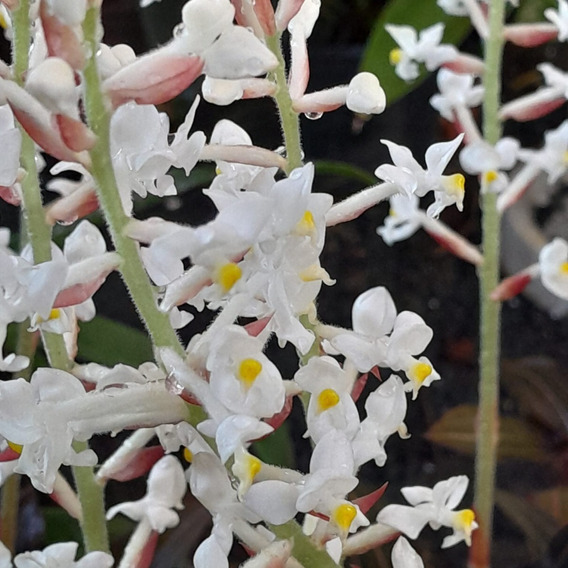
point(289, 119)
point(91, 495)
point(9, 507)
point(39, 237)
point(488, 415)
point(132, 269)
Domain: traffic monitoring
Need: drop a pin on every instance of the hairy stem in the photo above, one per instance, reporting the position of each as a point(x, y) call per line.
point(488, 414)
point(39, 237)
point(288, 117)
point(132, 269)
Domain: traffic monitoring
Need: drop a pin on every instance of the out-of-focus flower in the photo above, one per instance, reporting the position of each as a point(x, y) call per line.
point(436, 507)
point(423, 48)
point(165, 490)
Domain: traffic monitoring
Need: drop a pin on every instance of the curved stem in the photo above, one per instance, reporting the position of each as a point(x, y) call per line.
point(488, 415)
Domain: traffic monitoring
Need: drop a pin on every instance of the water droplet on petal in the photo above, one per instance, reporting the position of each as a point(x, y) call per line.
point(313, 115)
point(179, 30)
point(172, 386)
point(68, 221)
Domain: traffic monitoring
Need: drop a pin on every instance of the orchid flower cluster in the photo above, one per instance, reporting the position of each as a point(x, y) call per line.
point(92, 108)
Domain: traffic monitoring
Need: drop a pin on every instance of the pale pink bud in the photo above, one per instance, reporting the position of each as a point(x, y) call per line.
point(514, 285)
point(10, 195)
point(39, 123)
point(154, 78)
point(75, 133)
point(530, 35)
point(265, 14)
point(285, 11)
point(465, 63)
point(257, 15)
point(76, 205)
point(533, 106)
point(85, 278)
point(62, 40)
point(140, 462)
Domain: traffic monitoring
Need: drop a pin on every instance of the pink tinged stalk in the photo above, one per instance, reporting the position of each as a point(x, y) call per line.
point(530, 35)
point(514, 285)
point(355, 205)
point(518, 186)
point(451, 241)
point(533, 106)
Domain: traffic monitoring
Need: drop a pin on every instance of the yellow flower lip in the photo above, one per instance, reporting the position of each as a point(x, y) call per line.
point(228, 275)
point(420, 372)
point(344, 515)
point(306, 225)
point(248, 371)
point(187, 455)
point(327, 398)
point(395, 56)
point(18, 448)
point(490, 176)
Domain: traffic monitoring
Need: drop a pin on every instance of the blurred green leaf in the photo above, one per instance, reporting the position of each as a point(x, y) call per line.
point(276, 449)
point(532, 10)
point(108, 342)
point(303, 546)
point(344, 170)
point(419, 14)
point(456, 430)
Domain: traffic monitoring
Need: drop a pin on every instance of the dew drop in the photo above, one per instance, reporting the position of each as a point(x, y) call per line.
point(172, 386)
point(313, 115)
point(179, 30)
point(68, 221)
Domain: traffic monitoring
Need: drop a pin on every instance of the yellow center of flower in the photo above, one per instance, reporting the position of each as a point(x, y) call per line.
point(16, 447)
point(254, 466)
point(490, 176)
point(395, 56)
point(420, 371)
point(249, 369)
point(227, 275)
point(564, 268)
point(306, 225)
point(343, 516)
point(53, 315)
point(187, 455)
point(463, 521)
point(457, 183)
point(327, 399)
point(4, 23)
point(565, 157)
